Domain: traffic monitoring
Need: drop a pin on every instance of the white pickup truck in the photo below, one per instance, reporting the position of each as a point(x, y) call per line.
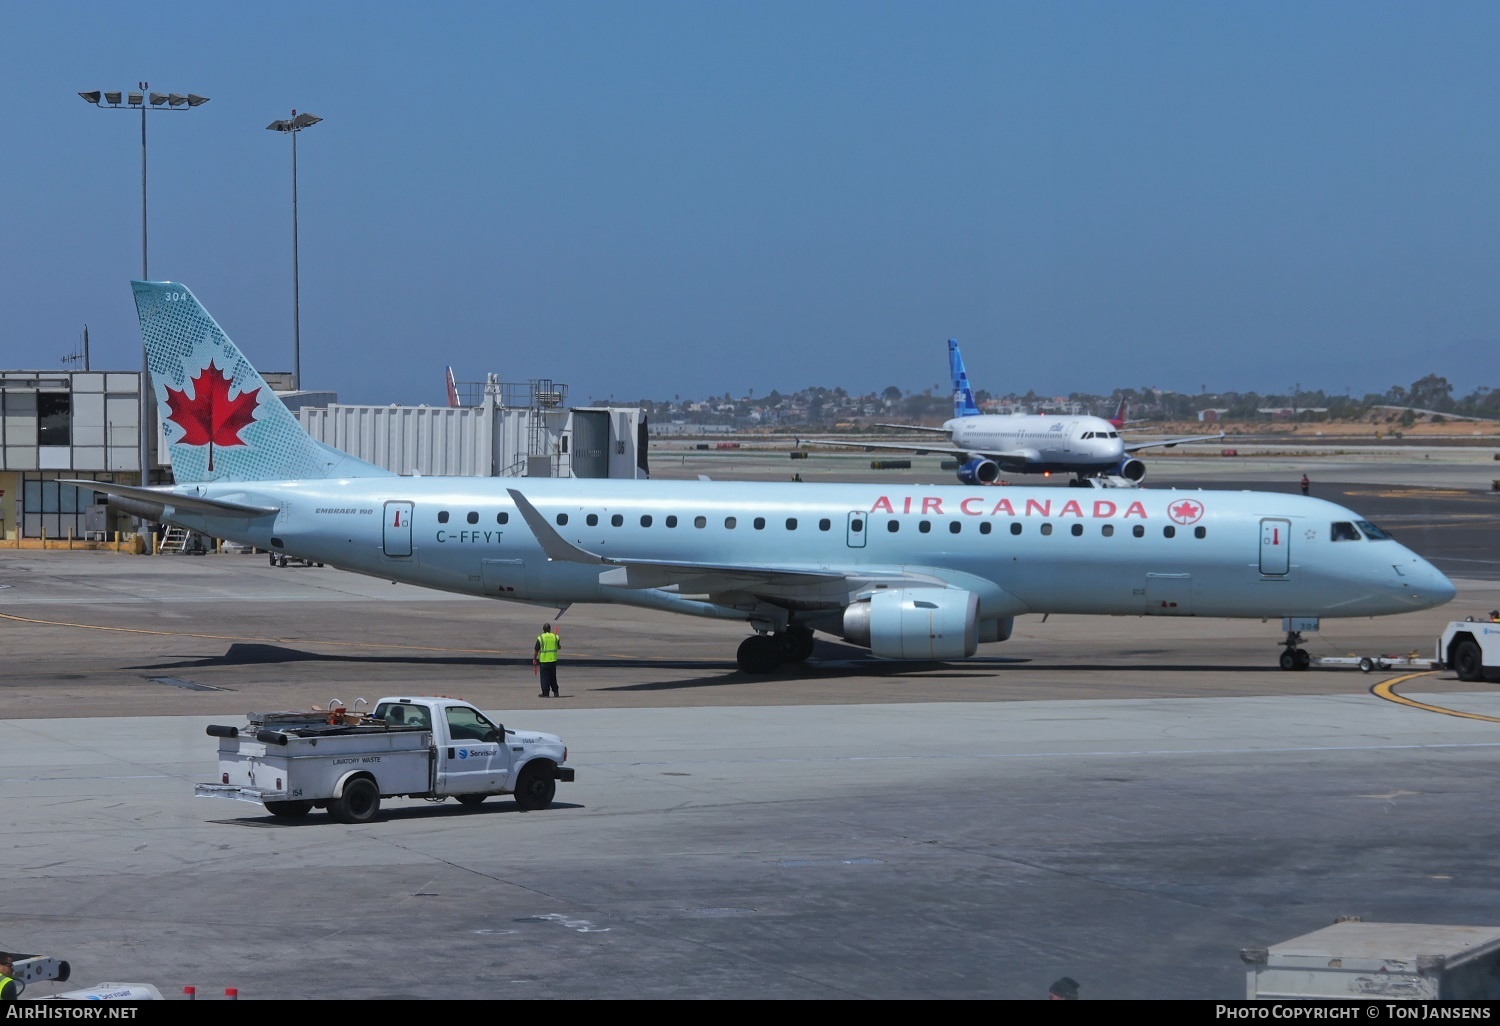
point(1470, 648)
point(416, 747)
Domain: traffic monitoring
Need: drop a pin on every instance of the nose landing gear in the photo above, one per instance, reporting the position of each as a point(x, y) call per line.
point(1293, 656)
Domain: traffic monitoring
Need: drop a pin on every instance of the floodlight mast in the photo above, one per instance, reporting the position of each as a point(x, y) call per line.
point(145, 102)
point(291, 126)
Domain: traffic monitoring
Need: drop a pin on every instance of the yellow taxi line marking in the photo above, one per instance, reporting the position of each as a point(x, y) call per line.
point(1386, 690)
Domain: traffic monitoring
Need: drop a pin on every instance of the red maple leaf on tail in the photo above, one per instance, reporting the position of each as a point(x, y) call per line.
point(211, 418)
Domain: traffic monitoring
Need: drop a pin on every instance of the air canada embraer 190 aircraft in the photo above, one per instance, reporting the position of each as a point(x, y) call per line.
point(987, 444)
point(909, 571)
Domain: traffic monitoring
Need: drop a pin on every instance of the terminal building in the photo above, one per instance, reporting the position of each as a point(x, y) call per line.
point(72, 425)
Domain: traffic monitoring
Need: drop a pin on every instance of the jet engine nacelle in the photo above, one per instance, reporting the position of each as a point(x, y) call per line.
point(1131, 469)
point(979, 471)
point(916, 623)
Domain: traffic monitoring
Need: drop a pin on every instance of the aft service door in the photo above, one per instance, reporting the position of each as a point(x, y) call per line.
point(858, 528)
point(1275, 547)
point(397, 536)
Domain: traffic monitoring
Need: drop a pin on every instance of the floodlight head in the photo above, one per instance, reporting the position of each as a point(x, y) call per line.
point(92, 97)
point(157, 99)
point(279, 126)
point(112, 97)
point(135, 99)
point(305, 120)
point(176, 99)
point(194, 99)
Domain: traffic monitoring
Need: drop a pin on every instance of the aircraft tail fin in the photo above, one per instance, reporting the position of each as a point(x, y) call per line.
point(452, 390)
point(221, 420)
point(963, 397)
point(1118, 420)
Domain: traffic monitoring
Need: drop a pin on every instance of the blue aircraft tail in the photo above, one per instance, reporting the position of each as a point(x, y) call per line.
point(221, 420)
point(963, 397)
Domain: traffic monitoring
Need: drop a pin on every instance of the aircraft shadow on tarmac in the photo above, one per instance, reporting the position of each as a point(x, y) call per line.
point(830, 661)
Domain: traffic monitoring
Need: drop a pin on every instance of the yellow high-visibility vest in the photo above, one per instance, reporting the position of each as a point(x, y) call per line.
point(549, 643)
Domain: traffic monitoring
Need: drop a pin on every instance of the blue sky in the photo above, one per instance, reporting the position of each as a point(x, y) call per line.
point(650, 199)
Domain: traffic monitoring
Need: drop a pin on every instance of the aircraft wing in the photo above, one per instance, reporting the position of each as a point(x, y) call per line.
point(916, 447)
point(914, 427)
point(814, 585)
point(1009, 459)
point(1167, 443)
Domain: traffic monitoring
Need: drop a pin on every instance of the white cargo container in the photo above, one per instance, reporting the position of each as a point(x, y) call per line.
point(1389, 961)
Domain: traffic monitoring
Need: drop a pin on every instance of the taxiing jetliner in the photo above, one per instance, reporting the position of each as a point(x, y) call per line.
point(989, 444)
point(909, 571)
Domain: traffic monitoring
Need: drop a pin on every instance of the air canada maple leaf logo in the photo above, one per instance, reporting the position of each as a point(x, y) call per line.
point(210, 417)
point(1185, 512)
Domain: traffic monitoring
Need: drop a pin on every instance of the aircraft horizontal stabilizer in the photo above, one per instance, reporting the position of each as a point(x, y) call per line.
point(165, 497)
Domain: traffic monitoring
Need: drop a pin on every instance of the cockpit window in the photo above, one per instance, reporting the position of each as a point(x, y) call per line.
point(1113, 434)
point(1343, 531)
point(1372, 532)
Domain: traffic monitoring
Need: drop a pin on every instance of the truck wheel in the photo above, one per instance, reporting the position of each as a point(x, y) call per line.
point(1366, 665)
point(471, 799)
point(289, 810)
point(536, 787)
point(359, 803)
point(1468, 661)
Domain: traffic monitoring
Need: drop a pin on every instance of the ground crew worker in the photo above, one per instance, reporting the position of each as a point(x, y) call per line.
point(9, 988)
point(544, 655)
point(1305, 483)
point(1065, 989)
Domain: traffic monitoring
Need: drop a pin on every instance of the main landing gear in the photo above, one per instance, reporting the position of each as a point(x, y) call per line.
point(1293, 657)
point(763, 653)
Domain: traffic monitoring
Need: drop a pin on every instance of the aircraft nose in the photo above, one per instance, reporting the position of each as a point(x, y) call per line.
point(1426, 584)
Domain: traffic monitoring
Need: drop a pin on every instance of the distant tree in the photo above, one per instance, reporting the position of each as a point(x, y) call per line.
point(891, 393)
point(1432, 393)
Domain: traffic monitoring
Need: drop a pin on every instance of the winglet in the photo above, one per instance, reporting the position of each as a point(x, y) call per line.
point(553, 544)
point(963, 397)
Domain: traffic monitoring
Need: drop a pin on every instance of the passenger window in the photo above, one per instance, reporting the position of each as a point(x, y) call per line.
point(1138, 531)
point(729, 523)
point(1077, 530)
point(954, 527)
point(473, 517)
point(592, 520)
point(984, 527)
point(700, 522)
point(893, 526)
point(671, 521)
point(617, 521)
point(1046, 528)
point(442, 516)
point(562, 518)
point(645, 519)
point(824, 524)
point(1200, 532)
point(1343, 531)
point(502, 518)
point(1169, 531)
point(760, 523)
point(791, 523)
point(1107, 530)
point(924, 526)
point(1015, 527)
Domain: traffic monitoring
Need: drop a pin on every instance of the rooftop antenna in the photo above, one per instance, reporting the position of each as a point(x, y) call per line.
point(74, 357)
